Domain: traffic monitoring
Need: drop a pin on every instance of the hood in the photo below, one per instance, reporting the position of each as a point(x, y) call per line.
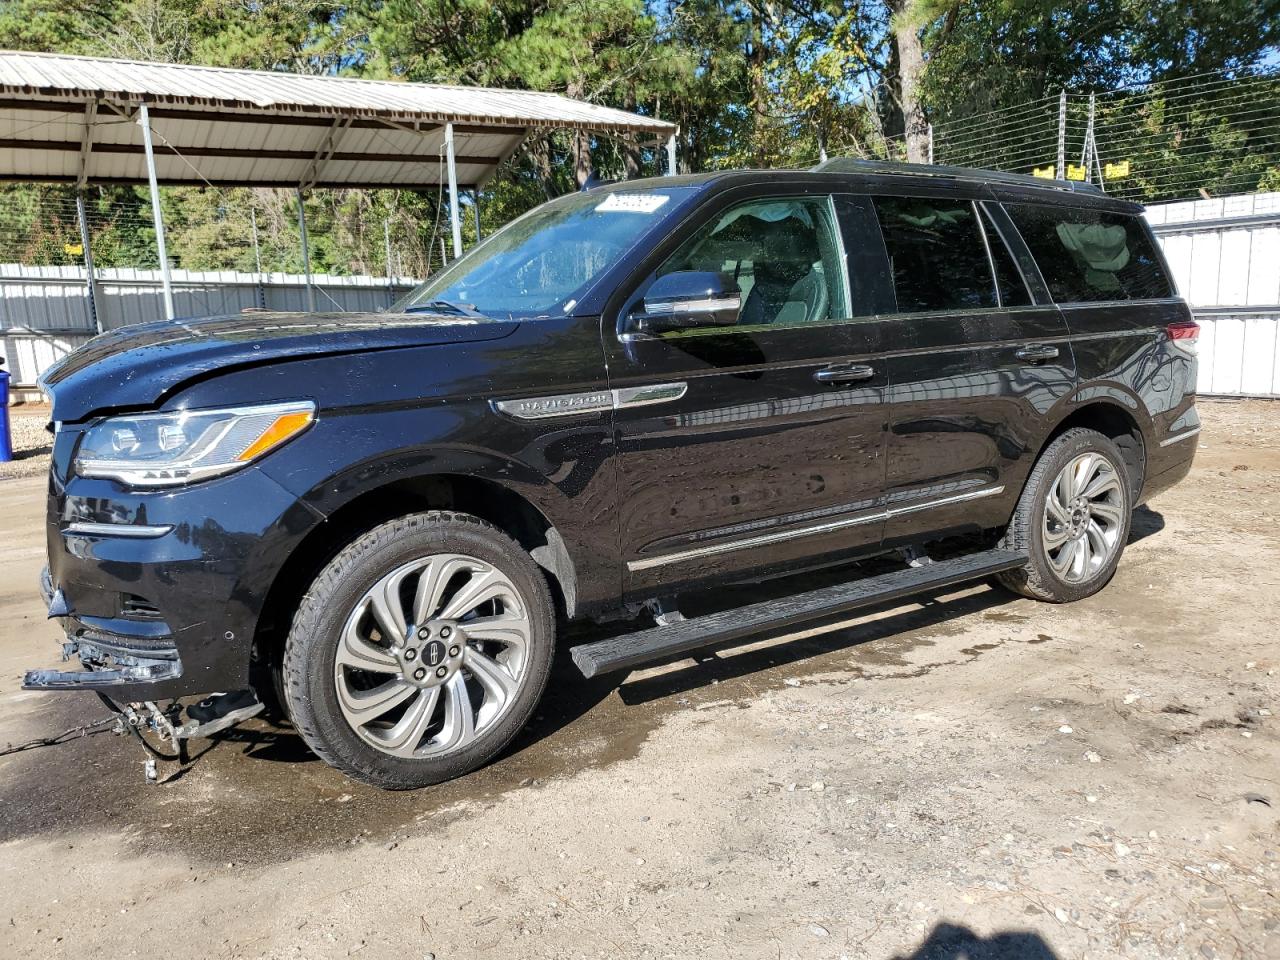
point(137, 365)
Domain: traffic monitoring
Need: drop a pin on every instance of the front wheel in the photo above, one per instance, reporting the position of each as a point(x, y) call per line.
point(1072, 520)
point(419, 651)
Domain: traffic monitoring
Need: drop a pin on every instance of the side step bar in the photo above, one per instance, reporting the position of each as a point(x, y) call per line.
point(634, 649)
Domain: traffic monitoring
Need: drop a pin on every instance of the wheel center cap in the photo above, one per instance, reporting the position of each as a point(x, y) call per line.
point(432, 655)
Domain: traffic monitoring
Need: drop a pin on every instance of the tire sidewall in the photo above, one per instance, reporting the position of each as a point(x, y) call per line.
point(312, 646)
point(1061, 453)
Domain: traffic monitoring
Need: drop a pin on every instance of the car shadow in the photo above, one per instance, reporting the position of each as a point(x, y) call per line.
point(1146, 523)
point(949, 941)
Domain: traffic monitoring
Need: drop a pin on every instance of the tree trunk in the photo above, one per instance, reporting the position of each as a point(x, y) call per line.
point(910, 71)
point(630, 152)
point(540, 153)
point(581, 140)
point(759, 88)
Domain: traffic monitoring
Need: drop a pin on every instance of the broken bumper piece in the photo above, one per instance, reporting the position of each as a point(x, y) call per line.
point(106, 661)
point(106, 664)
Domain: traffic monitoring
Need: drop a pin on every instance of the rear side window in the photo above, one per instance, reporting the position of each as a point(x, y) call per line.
point(1091, 255)
point(937, 253)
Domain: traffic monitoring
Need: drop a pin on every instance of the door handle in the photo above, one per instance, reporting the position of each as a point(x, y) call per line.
point(1038, 353)
point(844, 373)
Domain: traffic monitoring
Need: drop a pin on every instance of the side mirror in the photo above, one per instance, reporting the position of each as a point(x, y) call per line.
point(688, 298)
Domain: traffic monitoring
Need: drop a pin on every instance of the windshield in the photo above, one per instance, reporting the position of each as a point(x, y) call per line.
point(541, 263)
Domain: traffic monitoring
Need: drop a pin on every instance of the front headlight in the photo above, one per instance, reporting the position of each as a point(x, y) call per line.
point(170, 449)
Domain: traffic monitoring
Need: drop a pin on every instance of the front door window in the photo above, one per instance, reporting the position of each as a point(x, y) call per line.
point(782, 255)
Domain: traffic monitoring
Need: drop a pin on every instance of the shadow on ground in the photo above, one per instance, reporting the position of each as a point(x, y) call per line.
point(948, 941)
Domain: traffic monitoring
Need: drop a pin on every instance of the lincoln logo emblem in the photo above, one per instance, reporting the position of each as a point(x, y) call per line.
point(433, 653)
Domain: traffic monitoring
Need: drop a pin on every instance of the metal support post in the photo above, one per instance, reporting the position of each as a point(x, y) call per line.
point(144, 119)
point(1062, 135)
point(671, 155)
point(386, 241)
point(455, 221)
point(260, 290)
point(91, 279)
point(306, 254)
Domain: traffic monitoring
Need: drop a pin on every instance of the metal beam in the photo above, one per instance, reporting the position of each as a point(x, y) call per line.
point(306, 254)
point(86, 142)
point(475, 205)
point(671, 155)
point(235, 153)
point(91, 280)
point(324, 153)
point(450, 161)
point(144, 120)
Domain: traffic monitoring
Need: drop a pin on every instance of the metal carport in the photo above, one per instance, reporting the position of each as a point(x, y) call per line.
point(84, 120)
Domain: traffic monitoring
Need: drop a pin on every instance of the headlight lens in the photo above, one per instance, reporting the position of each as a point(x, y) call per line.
point(170, 449)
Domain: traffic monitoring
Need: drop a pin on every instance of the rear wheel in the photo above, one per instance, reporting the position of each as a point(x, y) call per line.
point(419, 651)
point(1072, 519)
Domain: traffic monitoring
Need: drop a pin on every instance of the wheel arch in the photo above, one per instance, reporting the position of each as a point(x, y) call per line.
point(1116, 415)
point(498, 504)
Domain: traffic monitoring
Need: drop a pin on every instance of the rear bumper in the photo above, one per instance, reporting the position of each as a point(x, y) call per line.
point(1170, 457)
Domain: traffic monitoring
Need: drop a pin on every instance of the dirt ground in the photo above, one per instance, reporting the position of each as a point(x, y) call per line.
point(973, 776)
point(30, 440)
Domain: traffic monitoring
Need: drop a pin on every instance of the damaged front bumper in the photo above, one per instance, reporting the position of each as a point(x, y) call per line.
point(108, 662)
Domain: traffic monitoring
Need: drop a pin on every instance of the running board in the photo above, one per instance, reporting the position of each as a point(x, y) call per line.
point(635, 649)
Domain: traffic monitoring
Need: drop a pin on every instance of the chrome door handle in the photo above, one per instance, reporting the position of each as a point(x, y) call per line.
point(1038, 353)
point(844, 373)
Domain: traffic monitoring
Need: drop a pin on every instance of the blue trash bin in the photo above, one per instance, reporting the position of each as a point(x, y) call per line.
point(6, 438)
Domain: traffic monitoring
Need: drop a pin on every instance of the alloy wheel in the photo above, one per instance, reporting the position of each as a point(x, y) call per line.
point(1084, 517)
point(432, 656)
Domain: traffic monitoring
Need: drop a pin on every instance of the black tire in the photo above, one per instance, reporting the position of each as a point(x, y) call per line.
point(308, 665)
point(1025, 532)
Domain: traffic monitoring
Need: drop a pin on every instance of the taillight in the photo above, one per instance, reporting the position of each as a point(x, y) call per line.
point(1184, 334)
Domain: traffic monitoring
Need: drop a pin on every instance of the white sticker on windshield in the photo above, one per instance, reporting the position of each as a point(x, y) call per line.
point(632, 203)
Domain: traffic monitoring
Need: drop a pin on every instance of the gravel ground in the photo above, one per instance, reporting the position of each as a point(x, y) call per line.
point(30, 442)
point(971, 776)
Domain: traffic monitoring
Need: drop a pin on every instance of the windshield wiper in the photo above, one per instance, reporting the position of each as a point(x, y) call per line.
point(462, 309)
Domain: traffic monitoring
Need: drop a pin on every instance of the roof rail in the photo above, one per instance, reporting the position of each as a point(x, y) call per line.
point(856, 165)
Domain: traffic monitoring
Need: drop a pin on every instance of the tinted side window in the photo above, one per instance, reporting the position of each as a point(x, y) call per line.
point(937, 254)
point(1091, 255)
point(1013, 289)
point(782, 254)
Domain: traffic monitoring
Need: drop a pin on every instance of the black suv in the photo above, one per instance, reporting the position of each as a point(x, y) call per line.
point(625, 396)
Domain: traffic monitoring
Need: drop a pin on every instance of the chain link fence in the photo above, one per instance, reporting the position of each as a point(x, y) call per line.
point(390, 234)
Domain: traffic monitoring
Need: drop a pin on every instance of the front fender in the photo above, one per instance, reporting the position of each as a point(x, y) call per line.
point(558, 469)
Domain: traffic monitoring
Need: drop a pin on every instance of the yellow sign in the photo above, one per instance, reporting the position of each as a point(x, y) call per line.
point(73, 249)
point(1044, 173)
point(1117, 171)
point(1074, 172)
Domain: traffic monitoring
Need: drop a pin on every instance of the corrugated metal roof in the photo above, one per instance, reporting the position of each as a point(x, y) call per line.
point(225, 126)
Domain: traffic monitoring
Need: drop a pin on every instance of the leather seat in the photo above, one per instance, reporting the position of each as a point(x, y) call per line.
point(790, 286)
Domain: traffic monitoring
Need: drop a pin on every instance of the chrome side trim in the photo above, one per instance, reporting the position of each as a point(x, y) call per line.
point(84, 529)
point(647, 563)
point(595, 401)
point(644, 396)
point(946, 501)
point(705, 305)
point(1184, 435)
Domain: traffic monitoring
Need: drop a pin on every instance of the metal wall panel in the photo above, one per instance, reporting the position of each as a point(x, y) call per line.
point(44, 311)
point(1225, 256)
